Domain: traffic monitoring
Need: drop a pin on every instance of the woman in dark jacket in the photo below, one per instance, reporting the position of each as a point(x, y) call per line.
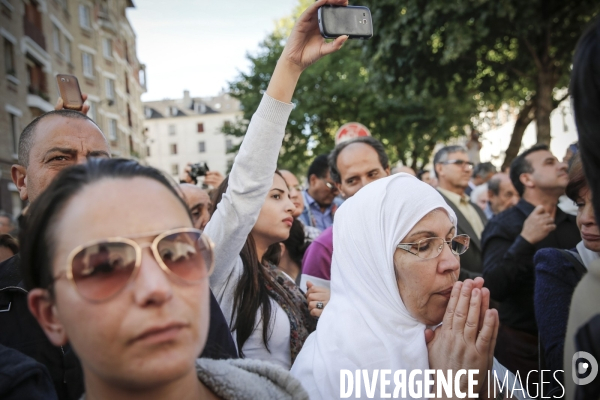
point(558, 272)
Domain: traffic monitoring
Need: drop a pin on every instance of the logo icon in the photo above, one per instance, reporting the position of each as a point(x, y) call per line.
point(582, 363)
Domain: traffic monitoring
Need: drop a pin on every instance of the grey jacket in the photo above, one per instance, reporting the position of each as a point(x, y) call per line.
point(246, 379)
point(243, 379)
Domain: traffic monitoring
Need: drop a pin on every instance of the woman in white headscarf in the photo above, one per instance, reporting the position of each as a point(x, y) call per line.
point(392, 279)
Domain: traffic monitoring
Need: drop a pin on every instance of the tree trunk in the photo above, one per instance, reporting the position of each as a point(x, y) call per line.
point(544, 106)
point(523, 120)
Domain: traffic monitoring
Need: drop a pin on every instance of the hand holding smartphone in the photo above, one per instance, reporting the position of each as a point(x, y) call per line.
point(354, 21)
point(70, 92)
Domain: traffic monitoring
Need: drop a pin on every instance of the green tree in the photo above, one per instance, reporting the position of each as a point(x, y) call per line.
point(490, 51)
point(339, 89)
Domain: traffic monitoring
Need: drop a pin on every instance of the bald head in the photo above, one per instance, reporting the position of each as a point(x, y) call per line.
point(405, 169)
point(501, 193)
point(51, 143)
point(198, 202)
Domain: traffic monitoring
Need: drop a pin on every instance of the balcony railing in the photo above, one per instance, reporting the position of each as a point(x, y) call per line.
point(34, 33)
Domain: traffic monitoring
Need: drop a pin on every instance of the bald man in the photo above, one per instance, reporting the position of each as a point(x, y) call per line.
point(198, 202)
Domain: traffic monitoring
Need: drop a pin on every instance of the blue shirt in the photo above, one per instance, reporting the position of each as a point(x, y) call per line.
point(312, 214)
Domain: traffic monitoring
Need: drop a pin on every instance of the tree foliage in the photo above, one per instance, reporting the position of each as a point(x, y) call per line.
point(431, 67)
point(338, 89)
point(492, 51)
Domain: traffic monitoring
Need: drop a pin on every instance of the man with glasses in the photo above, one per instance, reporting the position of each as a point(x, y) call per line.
point(509, 243)
point(320, 198)
point(453, 170)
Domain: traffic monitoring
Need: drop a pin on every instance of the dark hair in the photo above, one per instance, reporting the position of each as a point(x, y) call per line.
point(251, 293)
point(520, 166)
point(494, 185)
point(374, 143)
point(296, 243)
point(577, 179)
point(318, 167)
point(421, 173)
point(26, 138)
point(9, 242)
point(483, 169)
point(585, 95)
point(37, 236)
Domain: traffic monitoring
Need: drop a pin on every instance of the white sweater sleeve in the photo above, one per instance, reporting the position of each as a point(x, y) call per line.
point(249, 182)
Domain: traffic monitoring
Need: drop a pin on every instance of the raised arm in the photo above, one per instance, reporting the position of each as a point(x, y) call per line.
point(252, 172)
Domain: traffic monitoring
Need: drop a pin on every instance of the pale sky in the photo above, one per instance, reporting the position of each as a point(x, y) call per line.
point(199, 45)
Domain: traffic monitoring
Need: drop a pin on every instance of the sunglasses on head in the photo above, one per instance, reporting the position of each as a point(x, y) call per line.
point(99, 270)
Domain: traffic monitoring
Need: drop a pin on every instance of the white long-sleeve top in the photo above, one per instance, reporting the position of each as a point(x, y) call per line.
point(250, 179)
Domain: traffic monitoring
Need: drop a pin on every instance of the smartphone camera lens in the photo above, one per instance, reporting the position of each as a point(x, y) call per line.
point(364, 21)
point(62, 79)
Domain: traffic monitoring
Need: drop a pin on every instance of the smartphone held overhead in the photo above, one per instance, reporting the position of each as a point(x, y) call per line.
point(354, 21)
point(68, 85)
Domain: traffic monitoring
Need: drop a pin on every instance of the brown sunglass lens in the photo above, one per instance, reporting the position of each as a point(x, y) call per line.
point(103, 269)
point(186, 255)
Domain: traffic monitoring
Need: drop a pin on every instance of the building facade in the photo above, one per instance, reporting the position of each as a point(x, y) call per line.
point(91, 39)
point(188, 130)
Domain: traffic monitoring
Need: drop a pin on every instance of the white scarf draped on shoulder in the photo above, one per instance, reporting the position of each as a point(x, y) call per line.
point(365, 324)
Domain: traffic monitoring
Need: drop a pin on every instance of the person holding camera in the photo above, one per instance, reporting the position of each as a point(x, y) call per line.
point(244, 224)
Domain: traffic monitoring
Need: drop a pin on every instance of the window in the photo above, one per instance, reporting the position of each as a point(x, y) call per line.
point(14, 132)
point(9, 58)
point(147, 151)
point(228, 145)
point(174, 169)
point(200, 127)
point(56, 39)
point(67, 49)
point(107, 47)
point(201, 147)
point(112, 129)
point(173, 148)
point(126, 83)
point(88, 64)
point(84, 17)
point(172, 130)
point(110, 89)
point(227, 124)
point(93, 113)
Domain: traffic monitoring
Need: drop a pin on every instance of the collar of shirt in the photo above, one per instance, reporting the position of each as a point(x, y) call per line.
point(455, 198)
point(527, 208)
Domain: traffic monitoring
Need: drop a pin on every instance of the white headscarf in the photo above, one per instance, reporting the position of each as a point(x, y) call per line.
point(365, 324)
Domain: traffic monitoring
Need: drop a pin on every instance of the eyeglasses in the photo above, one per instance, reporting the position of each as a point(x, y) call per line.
point(330, 185)
point(99, 270)
point(432, 247)
point(460, 163)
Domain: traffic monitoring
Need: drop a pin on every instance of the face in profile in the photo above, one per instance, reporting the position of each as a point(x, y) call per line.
point(425, 285)
point(586, 220)
point(150, 332)
point(275, 218)
point(548, 173)
point(295, 192)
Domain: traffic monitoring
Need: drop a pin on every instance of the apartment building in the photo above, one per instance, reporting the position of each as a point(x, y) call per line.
point(188, 130)
point(91, 39)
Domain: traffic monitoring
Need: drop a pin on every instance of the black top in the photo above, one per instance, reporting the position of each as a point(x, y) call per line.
point(22, 377)
point(20, 330)
point(471, 264)
point(508, 267)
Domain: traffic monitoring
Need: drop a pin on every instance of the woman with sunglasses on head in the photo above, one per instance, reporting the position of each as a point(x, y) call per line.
point(266, 311)
point(393, 282)
point(115, 267)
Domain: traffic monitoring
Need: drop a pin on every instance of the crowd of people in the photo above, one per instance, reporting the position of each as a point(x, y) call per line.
point(124, 284)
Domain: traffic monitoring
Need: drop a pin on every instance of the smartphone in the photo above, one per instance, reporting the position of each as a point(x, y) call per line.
point(68, 85)
point(354, 21)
